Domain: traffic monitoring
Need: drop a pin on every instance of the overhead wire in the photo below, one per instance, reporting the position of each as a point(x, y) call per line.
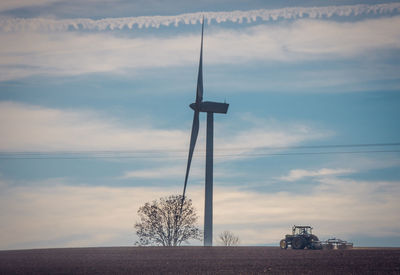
point(218, 153)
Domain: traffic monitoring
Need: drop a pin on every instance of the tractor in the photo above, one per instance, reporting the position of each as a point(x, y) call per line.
point(301, 238)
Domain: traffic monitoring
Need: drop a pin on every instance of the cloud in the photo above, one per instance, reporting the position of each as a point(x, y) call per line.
point(12, 4)
point(304, 40)
point(162, 173)
point(35, 24)
point(55, 213)
point(35, 128)
point(268, 138)
point(75, 53)
point(298, 174)
point(173, 171)
point(334, 207)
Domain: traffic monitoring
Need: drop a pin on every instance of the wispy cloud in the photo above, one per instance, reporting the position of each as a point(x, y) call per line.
point(268, 134)
point(75, 53)
point(34, 128)
point(12, 4)
point(177, 172)
point(35, 24)
point(298, 174)
point(161, 173)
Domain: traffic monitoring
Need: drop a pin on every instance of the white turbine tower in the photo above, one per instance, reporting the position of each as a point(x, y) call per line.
point(210, 108)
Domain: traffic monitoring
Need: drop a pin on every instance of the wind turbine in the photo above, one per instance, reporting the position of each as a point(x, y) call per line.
point(210, 108)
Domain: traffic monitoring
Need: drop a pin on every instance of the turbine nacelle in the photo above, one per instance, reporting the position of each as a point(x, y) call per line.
point(210, 107)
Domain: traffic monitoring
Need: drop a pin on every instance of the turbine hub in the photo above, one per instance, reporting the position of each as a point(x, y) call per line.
point(194, 106)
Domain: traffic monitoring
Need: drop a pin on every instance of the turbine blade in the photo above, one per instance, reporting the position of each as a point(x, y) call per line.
point(199, 93)
point(193, 138)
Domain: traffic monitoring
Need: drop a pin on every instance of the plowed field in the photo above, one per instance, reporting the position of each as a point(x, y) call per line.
point(199, 260)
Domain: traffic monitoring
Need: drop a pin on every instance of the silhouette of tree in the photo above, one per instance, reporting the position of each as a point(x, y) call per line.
point(227, 238)
point(163, 223)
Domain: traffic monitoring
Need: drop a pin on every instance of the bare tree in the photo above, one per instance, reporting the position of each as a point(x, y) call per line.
point(162, 222)
point(227, 238)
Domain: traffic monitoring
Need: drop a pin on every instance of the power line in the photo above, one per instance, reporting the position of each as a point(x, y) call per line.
point(316, 153)
point(158, 151)
point(337, 146)
point(127, 155)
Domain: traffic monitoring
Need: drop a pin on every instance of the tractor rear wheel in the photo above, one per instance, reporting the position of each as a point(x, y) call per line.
point(314, 243)
point(298, 243)
point(283, 244)
point(313, 238)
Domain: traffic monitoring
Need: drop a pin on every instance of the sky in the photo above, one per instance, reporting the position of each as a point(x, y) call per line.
point(95, 118)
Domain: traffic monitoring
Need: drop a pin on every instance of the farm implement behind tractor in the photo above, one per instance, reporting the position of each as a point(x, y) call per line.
point(336, 244)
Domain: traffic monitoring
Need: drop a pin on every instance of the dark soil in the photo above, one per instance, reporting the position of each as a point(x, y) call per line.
point(199, 260)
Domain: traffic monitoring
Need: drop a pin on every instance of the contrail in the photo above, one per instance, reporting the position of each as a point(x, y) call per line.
point(45, 24)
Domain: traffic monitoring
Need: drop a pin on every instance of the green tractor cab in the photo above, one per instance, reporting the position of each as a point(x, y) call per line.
point(301, 238)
